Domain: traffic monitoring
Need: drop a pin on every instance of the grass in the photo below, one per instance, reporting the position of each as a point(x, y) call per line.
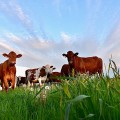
point(81, 98)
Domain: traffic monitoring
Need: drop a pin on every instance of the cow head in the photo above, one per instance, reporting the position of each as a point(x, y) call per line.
point(48, 69)
point(70, 56)
point(12, 57)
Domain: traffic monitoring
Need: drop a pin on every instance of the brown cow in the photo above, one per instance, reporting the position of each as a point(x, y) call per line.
point(89, 65)
point(65, 70)
point(8, 70)
point(54, 77)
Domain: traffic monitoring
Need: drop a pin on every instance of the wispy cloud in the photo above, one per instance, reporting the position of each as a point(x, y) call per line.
point(41, 50)
point(48, 51)
point(66, 37)
point(57, 5)
point(14, 10)
point(12, 37)
point(112, 42)
point(4, 46)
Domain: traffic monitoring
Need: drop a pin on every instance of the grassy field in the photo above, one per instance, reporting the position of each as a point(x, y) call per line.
point(81, 98)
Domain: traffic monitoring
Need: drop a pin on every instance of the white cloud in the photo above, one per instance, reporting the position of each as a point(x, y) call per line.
point(36, 54)
point(65, 37)
point(111, 44)
point(5, 46)
point(110, 47)
point(12, 37)
point(13, 10)
point(38, 51)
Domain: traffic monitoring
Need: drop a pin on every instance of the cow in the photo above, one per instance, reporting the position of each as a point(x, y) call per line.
point(65, 70)
point(82, 65)
point(40, 75)
point(21, 81)
point(54, 77)
point(30, 75)
point(8, 70)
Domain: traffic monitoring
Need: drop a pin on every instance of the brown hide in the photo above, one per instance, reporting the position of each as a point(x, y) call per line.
point(32, 76)
point(89, 65)
point(53, 77)
point(65, 70)
point(8, 70)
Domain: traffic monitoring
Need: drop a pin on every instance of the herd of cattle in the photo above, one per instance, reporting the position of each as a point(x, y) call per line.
point(91, 65)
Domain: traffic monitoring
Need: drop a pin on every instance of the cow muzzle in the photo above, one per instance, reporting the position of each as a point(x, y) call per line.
point(12, 63)
point(48, 75)
point(70, 62)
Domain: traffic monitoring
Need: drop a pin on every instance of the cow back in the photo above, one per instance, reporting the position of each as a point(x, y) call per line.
point(65, 70)
point(91, 65)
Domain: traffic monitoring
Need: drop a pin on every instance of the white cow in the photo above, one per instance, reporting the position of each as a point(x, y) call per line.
point(43, 73)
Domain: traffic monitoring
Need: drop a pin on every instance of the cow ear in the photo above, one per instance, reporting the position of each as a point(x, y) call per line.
point(54, 68)
point(76, 53)
point(51, 66)
point(5, 55)
point(65, 55)
point(43, 67)
point(19, 55)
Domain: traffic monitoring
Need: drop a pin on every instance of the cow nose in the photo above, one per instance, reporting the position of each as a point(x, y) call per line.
point(70, 62)
point(48, 75)
point(13, 62)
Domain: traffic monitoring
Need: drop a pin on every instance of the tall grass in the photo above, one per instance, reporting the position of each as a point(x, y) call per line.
point(81, 98)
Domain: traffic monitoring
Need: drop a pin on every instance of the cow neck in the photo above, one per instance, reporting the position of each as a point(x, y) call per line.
point(72, 66)
point(43, 73)
point(9, 67)
point(76, 62)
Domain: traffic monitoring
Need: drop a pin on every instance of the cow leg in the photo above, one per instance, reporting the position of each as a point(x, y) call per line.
point(31, 84)
point(13, 84)
point(39, 80)
point(28, 84)
point(2, 84)
point(6, 85)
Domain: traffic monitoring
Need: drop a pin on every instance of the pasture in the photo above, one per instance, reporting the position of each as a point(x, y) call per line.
point(81, 98)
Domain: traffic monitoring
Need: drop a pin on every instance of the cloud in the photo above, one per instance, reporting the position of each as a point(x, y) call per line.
point(57, 4)
point(66, 38)
point(3, 46)
point(40, 50)
point(62, 7)
point(15, 11)
point(12, 37)
point(111, 45)
point(47, 51)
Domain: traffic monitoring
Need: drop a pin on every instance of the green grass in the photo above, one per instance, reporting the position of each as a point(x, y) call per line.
point(81, 98)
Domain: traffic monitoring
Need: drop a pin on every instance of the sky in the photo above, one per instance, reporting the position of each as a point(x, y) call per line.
point(42, 30)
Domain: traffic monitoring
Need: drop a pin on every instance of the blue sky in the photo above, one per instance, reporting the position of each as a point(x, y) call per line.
point(42, 30)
